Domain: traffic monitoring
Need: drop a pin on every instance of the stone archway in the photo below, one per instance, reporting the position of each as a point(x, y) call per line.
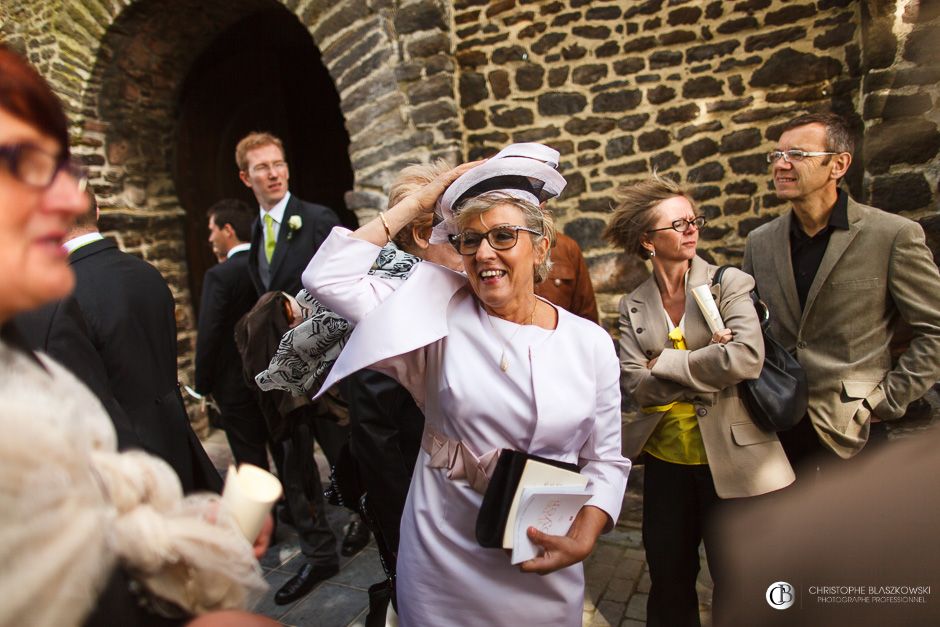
point(263, 73)
point(123, 73)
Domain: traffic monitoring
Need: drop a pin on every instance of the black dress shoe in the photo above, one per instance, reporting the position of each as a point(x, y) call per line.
point(357, 536)
point(303, 582)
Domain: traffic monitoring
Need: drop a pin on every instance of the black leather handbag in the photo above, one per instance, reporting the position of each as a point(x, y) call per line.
point(778, 398)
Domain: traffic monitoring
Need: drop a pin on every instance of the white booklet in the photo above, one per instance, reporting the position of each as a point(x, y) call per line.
point(706, 303)
point(538, 474)
point(551, 510)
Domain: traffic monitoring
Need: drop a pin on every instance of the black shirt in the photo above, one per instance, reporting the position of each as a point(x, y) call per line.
point(806, 253)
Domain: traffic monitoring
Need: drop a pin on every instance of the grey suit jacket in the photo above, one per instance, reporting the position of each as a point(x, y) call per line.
point(877, 270)
point(744, 460)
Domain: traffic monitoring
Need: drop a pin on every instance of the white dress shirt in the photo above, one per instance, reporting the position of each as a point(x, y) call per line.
point(277, 213)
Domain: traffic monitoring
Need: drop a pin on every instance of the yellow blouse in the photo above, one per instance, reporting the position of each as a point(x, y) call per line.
point(677, 438)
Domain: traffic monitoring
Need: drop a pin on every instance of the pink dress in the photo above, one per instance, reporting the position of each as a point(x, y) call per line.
point(559, 398)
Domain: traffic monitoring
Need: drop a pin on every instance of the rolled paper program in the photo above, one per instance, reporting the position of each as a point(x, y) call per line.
point(248, 496)
point(706, 303)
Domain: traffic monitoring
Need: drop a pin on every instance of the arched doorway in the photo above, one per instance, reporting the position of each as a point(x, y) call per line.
point(263, 73)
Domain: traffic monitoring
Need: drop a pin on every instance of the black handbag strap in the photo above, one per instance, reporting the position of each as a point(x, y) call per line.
point(763, 311)
point(719, 273)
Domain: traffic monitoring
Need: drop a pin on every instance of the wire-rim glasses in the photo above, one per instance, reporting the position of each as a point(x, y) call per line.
point(501, 237)
point(791, 156)
point(682, 225)
point(33, 166)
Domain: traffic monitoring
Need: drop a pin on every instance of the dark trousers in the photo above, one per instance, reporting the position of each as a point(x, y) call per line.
point(246, 431)
point(385, 436)
point(303, 488)
point(678, 505)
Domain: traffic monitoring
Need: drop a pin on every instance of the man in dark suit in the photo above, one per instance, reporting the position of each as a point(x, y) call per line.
point(227, 295)
point(286, 234)
point(121, 319)
point(288, 230)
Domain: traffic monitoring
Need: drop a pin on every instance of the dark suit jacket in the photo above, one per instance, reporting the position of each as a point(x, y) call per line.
point(131, 322)
point(294, 248)
point(227, 295)
point(59, 330)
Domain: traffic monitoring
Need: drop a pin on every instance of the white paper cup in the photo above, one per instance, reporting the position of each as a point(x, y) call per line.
point(248, 496)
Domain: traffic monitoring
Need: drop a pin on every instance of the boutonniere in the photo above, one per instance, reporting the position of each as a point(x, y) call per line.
point(293, 224)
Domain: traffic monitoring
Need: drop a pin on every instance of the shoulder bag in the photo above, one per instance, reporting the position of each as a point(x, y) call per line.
point(778, 398)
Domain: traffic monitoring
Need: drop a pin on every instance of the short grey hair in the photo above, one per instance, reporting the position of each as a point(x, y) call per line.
point(535, 217)
point(838, 134)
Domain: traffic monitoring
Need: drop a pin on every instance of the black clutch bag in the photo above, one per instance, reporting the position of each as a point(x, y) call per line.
point(500, 493)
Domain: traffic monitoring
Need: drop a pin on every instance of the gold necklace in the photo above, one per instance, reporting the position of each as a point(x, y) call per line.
point(503, 361)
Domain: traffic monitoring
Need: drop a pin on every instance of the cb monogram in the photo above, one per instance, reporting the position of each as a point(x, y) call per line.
point(780, 595)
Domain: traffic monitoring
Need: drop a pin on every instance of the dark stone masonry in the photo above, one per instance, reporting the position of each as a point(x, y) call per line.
point(697, 90)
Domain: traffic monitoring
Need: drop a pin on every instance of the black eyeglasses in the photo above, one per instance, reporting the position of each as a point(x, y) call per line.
point(500, 238)
point(682, 225)
point(35, 167)
point(795, 155)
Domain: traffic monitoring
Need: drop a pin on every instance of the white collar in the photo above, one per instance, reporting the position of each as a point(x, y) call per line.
point(77, 242)
point(277, 211)
point(237, 249)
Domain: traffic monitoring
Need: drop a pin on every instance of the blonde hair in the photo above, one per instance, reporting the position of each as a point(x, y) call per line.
point(633, 216)
point(408, 181)
point(535, 217)
point(250, 142)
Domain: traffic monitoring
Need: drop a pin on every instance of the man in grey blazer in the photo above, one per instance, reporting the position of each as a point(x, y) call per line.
point(837, 276)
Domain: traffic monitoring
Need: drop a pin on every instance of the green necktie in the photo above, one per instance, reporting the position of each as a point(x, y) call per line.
point(269, 240)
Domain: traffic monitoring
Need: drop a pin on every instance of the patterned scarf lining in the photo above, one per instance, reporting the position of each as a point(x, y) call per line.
point(308, 351)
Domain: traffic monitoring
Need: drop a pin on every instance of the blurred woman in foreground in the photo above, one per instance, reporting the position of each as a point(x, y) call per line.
point(87, 535)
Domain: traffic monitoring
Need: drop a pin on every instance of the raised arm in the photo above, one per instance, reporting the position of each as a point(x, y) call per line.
point(409, 208)
point(338, 275)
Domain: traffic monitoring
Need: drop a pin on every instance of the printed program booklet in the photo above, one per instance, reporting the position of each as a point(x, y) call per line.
point(551, 510)
point(551, 479)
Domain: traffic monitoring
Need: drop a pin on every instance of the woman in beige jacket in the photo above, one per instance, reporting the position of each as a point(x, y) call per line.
point(692, 430)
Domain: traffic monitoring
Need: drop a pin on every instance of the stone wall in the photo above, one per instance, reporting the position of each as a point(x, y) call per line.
point(699, 90)
point(119, 68)
point(696, 89)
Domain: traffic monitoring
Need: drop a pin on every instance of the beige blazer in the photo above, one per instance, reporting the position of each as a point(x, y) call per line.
point(877, 270)
point(744, 460)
